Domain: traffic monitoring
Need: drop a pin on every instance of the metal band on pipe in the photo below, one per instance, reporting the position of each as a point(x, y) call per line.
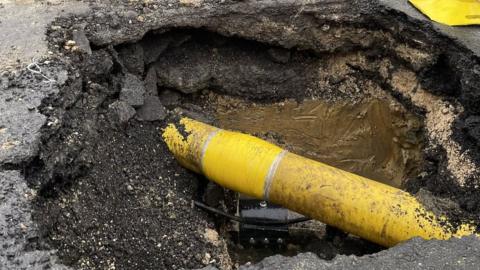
point(271, 174)
point(205, 145)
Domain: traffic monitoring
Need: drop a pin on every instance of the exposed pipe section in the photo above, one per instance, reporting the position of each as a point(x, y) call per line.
point(249, 165)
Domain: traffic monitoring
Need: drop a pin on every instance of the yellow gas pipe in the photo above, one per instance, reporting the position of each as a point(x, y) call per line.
point(363, 207)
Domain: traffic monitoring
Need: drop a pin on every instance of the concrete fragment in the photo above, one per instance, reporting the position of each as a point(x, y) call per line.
point(132, 56)
point(121, 112)
point(152, 110)
point(20, 124)
point(151, 82)
point(133, 90)
point(99, 64)
point(185, 78)
point(81, 41)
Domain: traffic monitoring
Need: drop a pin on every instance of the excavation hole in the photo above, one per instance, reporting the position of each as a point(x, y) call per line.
point(120, 198)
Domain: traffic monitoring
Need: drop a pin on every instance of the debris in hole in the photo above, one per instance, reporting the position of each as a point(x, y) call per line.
point(121, 111)
point(132, 55)
point(133, 91)
point(100, 64)
point(186, 78)
point(81, 41)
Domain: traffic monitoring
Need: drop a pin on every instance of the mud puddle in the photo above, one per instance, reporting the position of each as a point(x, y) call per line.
point(375, 138)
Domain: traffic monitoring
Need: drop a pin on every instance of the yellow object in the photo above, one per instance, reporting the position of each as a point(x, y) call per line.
point(450, 12)
point(369, 209)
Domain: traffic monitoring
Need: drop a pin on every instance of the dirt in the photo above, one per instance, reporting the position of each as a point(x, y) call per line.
point(439, 206)
point(439, 120)
point(136, 201)
point(111, 196)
